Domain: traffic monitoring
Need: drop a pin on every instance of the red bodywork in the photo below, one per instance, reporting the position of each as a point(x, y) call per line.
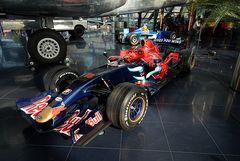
point(148, 52)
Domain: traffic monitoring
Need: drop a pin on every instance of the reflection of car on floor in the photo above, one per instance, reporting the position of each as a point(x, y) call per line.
point(75, 27)
point(134, 37)
point(116, 93)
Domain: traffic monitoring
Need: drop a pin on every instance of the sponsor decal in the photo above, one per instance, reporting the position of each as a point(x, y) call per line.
point(89, 75)
point(56, 111)
point(66, 91)
point(143, 84)
point(164, 40)
point(70, 122)
point(58, 99)
point(77, 136)
point(93, 121)
point(36, 107)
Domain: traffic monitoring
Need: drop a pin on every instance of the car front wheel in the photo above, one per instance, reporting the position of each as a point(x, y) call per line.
point(127, 106)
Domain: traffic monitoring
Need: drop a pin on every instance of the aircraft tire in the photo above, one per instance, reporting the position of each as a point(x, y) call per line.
point(47, 46)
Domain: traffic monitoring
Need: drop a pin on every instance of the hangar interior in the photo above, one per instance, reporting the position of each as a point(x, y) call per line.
point(195, 117)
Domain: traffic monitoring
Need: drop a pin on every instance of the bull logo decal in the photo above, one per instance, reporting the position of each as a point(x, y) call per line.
point(140, 69)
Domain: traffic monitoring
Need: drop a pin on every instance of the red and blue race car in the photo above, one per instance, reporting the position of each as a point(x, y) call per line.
point(134, 37)
point(114, 94)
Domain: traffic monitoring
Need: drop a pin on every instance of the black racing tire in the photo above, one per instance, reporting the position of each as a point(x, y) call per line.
point(173, 35)
point(47, 46)
point(79, 31)
point(47, 77)
point(189, 59)
point(119, 103)
point(63, 78)
point(39, 74)
point(134, 39)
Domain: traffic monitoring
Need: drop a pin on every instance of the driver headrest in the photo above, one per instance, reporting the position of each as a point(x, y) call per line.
point(147, 43)
point(142, 42)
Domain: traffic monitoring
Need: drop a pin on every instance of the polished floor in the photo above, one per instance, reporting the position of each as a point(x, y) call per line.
point(193, 118)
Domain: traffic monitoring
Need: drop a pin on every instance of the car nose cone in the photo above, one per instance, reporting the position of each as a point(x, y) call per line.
point(45, 115)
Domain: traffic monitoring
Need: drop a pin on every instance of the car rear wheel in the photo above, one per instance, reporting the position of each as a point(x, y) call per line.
point(134, 39)
point(127, 106)
point(49, 74)
point(189, 59)
point(59, 78)
point(173, 36)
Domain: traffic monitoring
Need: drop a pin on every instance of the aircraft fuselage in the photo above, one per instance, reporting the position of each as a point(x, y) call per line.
point(59, 8)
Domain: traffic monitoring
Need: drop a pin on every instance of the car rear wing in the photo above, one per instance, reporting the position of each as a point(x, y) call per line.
point(164, 41)
point(173, 45)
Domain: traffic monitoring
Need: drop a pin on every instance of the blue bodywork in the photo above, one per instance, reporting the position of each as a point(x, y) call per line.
point(159, 34)
point(81, 88)
point(87, 117)
point(163, 34)
point(150, 34)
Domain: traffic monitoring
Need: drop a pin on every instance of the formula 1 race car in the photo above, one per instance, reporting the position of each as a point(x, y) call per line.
point(114, 94)
point(134, 37)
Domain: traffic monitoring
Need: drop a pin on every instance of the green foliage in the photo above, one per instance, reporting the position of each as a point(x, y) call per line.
point(220, 9)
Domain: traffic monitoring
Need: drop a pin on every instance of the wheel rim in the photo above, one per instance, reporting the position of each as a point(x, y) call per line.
point(134, 40)
point(136, 109)
point(48, 48)
point(174, 36)
point(63, 82)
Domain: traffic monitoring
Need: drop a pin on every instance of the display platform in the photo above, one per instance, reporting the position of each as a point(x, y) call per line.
point(190, 119)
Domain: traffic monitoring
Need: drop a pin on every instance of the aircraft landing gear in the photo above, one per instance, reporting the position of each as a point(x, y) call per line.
point(47, 46)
